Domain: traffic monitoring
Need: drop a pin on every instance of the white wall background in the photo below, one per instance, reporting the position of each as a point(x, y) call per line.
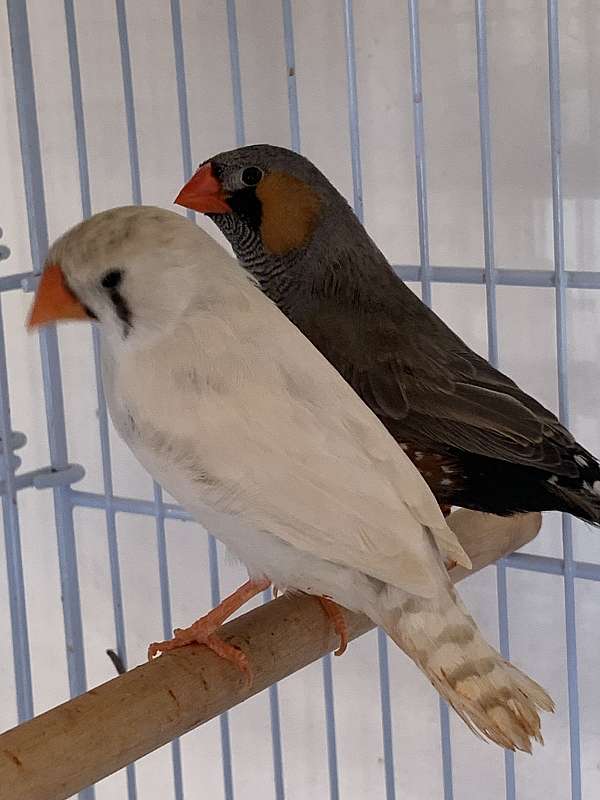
point(523, 216)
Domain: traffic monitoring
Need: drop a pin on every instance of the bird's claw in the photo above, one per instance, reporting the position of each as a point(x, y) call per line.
point(198, 634)
point(336, 615)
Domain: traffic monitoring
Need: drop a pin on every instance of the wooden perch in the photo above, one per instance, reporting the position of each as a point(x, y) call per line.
point(57, 754)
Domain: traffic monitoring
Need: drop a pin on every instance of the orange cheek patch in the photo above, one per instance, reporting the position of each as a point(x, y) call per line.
point(290, 209)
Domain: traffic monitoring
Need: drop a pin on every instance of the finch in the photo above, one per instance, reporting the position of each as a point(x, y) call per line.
point(249, 427)
point(478, 440)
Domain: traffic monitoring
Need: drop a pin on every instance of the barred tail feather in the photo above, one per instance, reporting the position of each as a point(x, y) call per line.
point(495, 699)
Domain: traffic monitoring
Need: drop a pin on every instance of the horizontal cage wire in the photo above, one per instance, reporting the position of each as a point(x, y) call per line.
point(328, 80)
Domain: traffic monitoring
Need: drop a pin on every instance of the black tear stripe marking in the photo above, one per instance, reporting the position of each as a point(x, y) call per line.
point(122, 310)
point(246, 203)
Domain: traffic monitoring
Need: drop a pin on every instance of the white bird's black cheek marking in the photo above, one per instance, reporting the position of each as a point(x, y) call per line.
point(122, 311)
point(111, 281)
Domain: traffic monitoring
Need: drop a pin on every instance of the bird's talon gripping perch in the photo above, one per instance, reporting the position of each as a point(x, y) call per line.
point(233, 654)
point(203, 630)
point(336, 615)
point(224, 650)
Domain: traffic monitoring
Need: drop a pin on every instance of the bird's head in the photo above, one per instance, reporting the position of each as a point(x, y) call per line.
point(133, 269)
point(272, 204)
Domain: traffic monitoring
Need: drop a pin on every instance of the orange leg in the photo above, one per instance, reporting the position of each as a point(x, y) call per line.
point(336, 615)
point(203, 630)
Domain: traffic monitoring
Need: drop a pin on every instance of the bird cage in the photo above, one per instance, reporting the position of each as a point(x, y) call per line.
point(464, 135)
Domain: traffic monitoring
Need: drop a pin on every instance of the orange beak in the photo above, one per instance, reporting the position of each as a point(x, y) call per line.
point(204, 193)
point(54, 300)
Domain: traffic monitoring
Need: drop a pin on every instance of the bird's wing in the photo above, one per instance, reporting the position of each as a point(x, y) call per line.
point(292, 450)
point(410, 368)
point(317, 485)
point(490, 419)
point(480, 410)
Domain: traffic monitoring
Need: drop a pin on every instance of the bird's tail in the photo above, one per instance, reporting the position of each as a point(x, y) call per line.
point(580, 495)
point(494, 698)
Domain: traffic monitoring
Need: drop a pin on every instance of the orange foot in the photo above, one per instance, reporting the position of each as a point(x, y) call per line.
point(336, 615)
point(203, 630)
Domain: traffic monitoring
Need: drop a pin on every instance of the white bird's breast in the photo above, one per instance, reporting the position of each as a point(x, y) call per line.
point(154, 420)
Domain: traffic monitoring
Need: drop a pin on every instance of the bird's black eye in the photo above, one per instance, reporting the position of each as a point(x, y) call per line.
point(112, 279)
point(251, 176)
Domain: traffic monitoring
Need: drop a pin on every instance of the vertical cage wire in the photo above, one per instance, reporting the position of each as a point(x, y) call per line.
point(136, 193)
point(332, 759)
point(187, 169)
point(167, 619)
point(419, 141)
point(425, 276)
point(492, 320)
point(236, 75)
point(215, 598)
point(563, 385)
point(14, 557)
point(161, 539)
point(294, 121)
point(486, 178)
point(352, 97)
point(240, 136)
point(103, 424)
point(53, 398)
point(84, 185)
point(290, 63)
point(182, 101)
point(134, 158)
point(111, 531)
point(353, 114)
point(327, 672)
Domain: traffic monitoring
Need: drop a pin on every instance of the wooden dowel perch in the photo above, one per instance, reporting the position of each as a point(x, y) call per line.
point(76, 744)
